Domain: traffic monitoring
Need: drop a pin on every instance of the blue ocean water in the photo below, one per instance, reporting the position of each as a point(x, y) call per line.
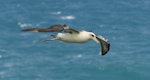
point(125, 23)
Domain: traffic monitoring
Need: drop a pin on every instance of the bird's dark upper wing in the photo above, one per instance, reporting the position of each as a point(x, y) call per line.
point(57, 28)
point(37, 30)
point(105, 45)
point(53, 28)
point(70, 30)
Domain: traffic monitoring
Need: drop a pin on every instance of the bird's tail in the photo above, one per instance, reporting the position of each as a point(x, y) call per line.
point(53, 37)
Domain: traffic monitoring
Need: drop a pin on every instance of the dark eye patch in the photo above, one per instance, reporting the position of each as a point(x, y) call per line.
point(92, 35)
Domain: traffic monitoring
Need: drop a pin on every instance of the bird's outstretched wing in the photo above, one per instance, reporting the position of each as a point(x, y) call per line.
point(70, 30)
point(105, 45)
point(53, 28)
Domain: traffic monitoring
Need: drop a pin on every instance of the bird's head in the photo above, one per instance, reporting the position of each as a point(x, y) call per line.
point(93, 36)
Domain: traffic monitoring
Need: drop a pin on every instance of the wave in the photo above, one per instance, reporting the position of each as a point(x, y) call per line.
point(56, 13)
point(69, 17)
point(24, 25)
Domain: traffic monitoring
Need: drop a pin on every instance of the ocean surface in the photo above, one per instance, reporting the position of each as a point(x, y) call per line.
point(125, 23)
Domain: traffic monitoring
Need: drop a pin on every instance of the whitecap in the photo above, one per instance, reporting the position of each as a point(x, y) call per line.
point(0, 56)
point(70, 17)
point(56, 13)
point(101, 26)
point(23, 25)
point(8, 65)
point(79, 56)
point(2, 73)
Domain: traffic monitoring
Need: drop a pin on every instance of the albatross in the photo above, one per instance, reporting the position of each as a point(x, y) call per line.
point(69, 35)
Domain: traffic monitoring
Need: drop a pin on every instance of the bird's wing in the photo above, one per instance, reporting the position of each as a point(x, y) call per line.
point(70, 30)
point(57, 27)
point(36, 30)
point(53, 28)
point(105, 45)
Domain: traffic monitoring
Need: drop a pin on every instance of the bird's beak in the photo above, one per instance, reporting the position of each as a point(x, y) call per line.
point(95, 39)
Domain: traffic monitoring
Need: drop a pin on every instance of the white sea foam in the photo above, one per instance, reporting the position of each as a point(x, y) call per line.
point(23, 25)
point(2, 73)
point(70, 17)
point(0, 56)
point(8, 65)
point(56, 13)
point(101, 26)
point(79, 56)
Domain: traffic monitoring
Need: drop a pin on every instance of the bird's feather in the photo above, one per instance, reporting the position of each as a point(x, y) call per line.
point(70, 30)
point(105, 45)
point(53, 28)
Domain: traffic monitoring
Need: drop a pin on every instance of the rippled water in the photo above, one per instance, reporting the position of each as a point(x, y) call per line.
point(125, 23)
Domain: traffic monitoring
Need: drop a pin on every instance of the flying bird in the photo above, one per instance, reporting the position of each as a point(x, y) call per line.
point(67, 34)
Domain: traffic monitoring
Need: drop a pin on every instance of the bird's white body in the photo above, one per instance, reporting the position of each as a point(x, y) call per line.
point(81, 37)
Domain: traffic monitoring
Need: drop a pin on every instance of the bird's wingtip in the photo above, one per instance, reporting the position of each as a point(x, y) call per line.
point(105, 45)
point(30, 30)
point(104, 52)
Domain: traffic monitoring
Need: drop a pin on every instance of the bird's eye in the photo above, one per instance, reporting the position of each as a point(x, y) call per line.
point(92, 35)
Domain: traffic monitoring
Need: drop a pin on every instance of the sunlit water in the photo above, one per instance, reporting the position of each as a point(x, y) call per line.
point(125, 23)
